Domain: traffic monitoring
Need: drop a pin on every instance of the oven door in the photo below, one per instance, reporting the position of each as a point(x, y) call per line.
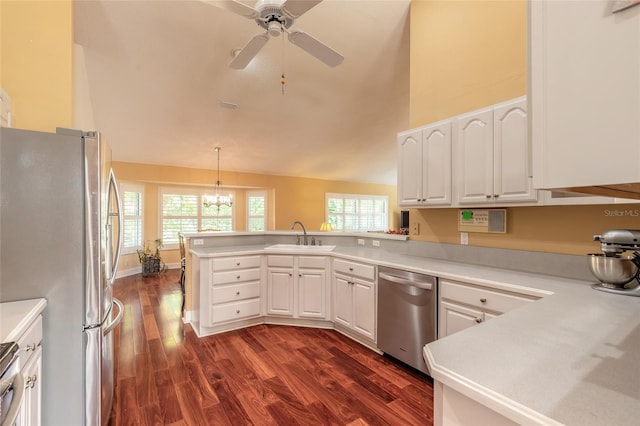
point(11, 394)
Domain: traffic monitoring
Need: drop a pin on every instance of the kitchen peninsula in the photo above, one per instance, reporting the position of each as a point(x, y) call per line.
point(567, 358)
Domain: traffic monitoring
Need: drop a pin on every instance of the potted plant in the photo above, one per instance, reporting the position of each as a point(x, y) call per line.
point(150, 258)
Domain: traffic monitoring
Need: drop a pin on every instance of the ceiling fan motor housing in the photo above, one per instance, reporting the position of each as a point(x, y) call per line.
point(273, 17)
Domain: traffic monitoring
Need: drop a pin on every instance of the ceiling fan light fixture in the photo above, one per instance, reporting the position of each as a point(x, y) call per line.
point(274, 29)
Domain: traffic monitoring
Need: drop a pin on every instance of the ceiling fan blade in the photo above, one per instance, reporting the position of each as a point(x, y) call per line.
point(249, 51)
point(295, 8)
point(315, 48)
point(235, 7)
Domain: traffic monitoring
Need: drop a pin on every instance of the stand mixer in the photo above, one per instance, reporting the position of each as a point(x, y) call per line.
point(618, 273)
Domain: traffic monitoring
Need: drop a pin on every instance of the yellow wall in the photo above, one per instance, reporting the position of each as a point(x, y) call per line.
point(36, 62)
point(289, 198)
point(470, 54)
point(465, 55)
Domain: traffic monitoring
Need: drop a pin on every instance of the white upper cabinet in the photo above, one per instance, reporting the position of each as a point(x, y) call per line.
point(493, 155)
point(512, 179)
point(410, 167)
point(585, 94)
point(474, 142)
point(424, 166)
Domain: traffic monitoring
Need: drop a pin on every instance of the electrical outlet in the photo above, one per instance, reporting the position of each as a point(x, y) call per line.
point(464, 238)
point(415, 229)
point(375, 243)
point(360, 242)
point(198, 242)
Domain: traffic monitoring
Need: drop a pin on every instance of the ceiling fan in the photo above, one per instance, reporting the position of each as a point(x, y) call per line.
point(276, 17)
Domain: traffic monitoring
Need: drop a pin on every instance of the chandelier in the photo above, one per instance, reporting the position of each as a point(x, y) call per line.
point(217, 199)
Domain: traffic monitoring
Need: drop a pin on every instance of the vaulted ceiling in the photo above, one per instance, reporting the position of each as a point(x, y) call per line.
point(158, 75)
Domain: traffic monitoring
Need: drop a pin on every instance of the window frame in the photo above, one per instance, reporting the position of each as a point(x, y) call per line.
point(359, 198)
point(182, 191)
point(138, 188)
point(263, 194)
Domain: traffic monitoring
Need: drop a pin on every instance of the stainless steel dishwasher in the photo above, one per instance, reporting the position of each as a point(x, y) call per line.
point(407, 314)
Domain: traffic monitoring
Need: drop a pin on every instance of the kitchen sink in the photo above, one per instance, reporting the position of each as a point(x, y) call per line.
point(299, 248)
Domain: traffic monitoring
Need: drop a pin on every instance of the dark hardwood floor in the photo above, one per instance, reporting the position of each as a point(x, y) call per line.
point(260, 375)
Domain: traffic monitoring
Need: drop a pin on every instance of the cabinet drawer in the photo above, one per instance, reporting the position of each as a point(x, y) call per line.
point(352, 268)
point(229, 293)
point(311, 262)
point(236, 262)
point(481, 297)
point(238, 276)
point(283, 261)
point(30, 340)
point(235, 310)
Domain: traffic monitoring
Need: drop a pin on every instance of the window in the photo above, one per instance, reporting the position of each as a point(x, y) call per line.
point(132, 208)
point(182, 211)
point(256, 210)
point(349, 212)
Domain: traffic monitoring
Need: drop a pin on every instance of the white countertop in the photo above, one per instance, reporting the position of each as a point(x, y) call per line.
point(15, 317)
point(572, 357)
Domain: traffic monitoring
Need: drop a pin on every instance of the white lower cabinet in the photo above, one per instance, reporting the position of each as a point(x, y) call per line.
point(30, 355)
point(296, 286)
point(463, 305)
point(30, 413)
point(228, 289)
point(354, 297)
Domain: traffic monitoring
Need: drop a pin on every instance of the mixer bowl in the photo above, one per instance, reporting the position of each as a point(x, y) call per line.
point(613, 271)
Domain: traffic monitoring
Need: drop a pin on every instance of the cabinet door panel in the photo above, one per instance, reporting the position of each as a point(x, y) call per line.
point(512, 174)
point(436, 160)
point(454, 318)
point(474, 139)
point(342, 300)
point(585, 93)
point(311, 288)
point(30, 412)
point(409, 167)
point(364, 304)
point(280, 292)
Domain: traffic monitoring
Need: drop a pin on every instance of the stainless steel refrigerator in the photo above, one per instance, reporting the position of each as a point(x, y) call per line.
point(59, 239)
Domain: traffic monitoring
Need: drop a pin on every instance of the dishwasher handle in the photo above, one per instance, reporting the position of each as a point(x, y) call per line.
point(425, 285)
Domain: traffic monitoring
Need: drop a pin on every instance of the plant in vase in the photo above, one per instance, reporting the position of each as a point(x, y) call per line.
point(150, 258)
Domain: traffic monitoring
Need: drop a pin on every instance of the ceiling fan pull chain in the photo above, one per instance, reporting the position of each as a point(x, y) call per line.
point(282, 79)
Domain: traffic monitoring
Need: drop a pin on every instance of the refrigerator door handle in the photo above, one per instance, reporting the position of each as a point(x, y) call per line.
point(109, 328)
point(113, 261)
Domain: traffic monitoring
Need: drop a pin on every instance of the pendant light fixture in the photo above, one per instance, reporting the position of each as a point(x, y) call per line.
point(217, 199)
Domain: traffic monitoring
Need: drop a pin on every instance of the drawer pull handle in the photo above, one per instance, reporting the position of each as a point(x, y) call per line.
point(237, 293)
point(31, 381)
point(351, 269)
point(300, 275)
point(483, 300)
point(238, 277)
point(30, 348)
point(238, 311)
point(478, 320)
point(237, 263)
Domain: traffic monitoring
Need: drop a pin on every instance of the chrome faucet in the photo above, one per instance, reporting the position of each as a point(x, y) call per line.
point(293, 225)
